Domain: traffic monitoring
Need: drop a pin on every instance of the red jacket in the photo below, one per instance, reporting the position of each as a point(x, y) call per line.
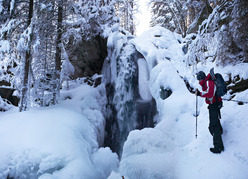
point(208, 90)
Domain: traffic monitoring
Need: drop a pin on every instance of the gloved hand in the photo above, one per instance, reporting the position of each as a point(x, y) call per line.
point(197, 92)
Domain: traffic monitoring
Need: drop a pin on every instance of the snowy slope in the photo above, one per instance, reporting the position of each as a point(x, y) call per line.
point(171, 150)
point(61, 141)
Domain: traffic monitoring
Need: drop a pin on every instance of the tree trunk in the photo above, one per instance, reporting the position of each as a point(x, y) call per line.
point(24, 93)
point(56, 92)
point(132, 28)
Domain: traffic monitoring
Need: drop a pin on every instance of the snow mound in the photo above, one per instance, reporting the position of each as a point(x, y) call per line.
point(57, 142)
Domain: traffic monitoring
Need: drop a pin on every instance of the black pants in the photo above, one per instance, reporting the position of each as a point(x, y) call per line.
point(215, 127)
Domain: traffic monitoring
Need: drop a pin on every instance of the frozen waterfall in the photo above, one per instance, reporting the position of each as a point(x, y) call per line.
point(130, 104)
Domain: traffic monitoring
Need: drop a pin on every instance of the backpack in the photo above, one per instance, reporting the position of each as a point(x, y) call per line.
point(219, 82)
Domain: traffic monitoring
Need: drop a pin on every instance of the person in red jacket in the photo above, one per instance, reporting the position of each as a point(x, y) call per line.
point(214, 105)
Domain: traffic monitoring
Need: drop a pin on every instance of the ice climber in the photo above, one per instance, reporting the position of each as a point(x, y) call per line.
point(214, 105)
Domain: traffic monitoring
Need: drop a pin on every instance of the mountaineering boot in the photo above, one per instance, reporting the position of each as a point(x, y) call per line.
point(216, 151)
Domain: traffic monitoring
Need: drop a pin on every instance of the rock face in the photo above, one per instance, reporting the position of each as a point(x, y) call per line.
point(239, 26)
point(223, 36)
point(87, 56)
point(222, 39)
point(204, 13)
point(234, 36)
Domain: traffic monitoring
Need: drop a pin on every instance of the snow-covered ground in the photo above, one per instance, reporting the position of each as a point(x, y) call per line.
point(63, 141)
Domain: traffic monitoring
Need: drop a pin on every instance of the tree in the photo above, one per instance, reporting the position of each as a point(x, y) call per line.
point(11, 26)
point(170, 14)
point(38, 35)
point(67, 69)
point(125, 10)
point(56, 93)
point(176, 15)
point(28, 57)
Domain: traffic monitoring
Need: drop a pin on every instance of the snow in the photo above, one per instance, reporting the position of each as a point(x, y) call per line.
point(4, 46)
point(4, 106)
point(170, 149)
point(115, 42)
point(12, 5)
point(65, 140)
point(57, 142)
point(143, 72)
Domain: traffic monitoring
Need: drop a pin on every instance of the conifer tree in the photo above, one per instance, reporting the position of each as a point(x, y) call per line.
point(126, 10)
point(176, 15)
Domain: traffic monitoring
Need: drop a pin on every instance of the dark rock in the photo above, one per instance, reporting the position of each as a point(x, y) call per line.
point(87, 56)
point(165, 93)
point(237, 85)
point(98, 81)
point(4, 83)
point(146, 110)
point(7, 93)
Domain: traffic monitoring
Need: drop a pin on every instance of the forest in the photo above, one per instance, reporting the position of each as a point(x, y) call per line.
point(83, 96)
point(43, 43)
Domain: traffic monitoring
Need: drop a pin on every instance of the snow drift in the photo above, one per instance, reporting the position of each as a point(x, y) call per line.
point(57, 142)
